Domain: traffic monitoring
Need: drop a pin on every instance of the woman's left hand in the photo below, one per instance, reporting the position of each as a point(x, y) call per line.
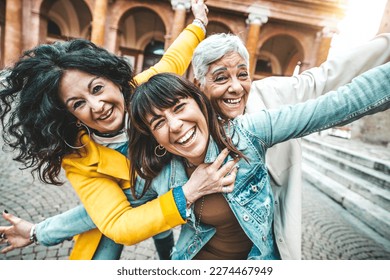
point(17, 235)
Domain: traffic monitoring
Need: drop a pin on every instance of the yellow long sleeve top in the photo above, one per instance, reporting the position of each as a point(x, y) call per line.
point(100, 174)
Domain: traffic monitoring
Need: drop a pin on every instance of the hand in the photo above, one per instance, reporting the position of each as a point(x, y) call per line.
point(211, 178)
point(17, 235)
point(200, 10)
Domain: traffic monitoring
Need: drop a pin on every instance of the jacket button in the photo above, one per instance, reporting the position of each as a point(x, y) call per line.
point(276, 202)
point(246, 218)
point(254, 188)
point(264, 238)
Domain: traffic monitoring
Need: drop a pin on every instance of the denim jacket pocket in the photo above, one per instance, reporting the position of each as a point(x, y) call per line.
point(256, 199)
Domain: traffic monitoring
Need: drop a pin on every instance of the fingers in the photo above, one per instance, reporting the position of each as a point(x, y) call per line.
point(10, 218)
point(4, 240)
point(227, 183)
point(7, 249)
point(227, 168)
point(200, 10)
point(220, 159)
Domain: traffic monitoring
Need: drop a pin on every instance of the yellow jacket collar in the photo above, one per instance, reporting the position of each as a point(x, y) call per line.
point(108, 161)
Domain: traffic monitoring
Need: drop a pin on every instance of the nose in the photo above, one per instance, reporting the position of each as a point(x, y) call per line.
point(175, 124)
point(95, 104)
point(235, 86)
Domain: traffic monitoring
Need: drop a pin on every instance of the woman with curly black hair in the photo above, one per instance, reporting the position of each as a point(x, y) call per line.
point(63, 106)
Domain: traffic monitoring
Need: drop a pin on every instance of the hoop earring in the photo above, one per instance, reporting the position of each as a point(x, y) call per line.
point(159, 148)
point(78, 125)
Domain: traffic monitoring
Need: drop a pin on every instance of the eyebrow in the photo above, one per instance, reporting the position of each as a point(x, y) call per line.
point(243, 65)
point(89, 88)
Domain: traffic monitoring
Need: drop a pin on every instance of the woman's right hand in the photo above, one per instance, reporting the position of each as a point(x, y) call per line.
point(17, 235)
point(211, 178)
point(200, 11)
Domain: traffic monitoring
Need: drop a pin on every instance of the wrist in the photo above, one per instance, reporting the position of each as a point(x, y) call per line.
point(33, 235)
point(200, 23)
point(189, 195)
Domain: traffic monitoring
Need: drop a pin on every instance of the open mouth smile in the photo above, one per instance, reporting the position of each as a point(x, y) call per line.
point(188, 138)
point(232, 101)
point(105, 115)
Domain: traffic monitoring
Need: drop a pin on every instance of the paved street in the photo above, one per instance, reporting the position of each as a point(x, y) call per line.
point(329, 232)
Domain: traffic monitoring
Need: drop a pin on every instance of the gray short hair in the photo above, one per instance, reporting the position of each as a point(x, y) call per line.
point(214, 48)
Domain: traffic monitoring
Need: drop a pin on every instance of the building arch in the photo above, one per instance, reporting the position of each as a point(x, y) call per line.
point(282, 51)
point(217, 27)
point(71, 16)
point(121, 14)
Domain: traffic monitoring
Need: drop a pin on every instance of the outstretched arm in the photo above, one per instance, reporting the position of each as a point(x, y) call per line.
point(338, 70)
point(119, 220)
point(367, 94)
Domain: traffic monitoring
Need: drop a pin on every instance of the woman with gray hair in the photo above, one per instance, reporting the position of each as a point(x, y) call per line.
point(221, 70)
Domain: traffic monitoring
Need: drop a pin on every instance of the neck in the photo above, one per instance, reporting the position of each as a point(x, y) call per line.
point(108, 135)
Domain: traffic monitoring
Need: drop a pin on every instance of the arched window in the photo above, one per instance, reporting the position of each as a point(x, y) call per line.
point(53, 28)
point(153, 53)
point(263, 66)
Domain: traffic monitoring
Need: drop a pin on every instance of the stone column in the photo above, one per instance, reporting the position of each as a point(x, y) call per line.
point(254, 21)
point(99, 21)
point(13, 31)
point(325, 39)
point(181, 7)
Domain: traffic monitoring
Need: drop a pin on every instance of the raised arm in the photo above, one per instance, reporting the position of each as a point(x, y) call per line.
point(336, 71)
point(179, 55)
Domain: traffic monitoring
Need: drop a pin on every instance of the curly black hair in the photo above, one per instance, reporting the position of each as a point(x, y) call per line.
point(35, 122)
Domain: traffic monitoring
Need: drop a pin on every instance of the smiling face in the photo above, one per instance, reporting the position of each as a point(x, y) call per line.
point(95, 101)
point(181, 129)
point(227, 84)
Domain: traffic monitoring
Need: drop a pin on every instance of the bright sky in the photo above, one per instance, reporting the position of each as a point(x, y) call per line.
point(360, 24)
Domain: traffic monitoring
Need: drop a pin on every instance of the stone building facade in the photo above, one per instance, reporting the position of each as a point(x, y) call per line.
point(375, 129)
point(282, 36)
point(279, 34)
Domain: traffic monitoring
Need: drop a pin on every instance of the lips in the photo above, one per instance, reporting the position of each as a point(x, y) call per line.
point(106, 114)
point(188, 137)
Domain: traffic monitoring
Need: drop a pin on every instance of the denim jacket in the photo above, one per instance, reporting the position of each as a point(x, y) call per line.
point(251, 200)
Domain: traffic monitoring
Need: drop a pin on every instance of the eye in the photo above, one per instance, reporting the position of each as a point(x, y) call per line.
point(220, 78)
point(158, 124)
point(77, 104)
point(243, 75)
point(96, 89)
point(179, 107)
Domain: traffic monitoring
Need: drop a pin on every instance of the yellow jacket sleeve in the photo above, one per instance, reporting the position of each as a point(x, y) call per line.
point(99, 178)
point(178, 56)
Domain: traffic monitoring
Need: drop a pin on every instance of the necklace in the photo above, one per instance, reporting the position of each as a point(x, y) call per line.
point(193, 247)
point(109, 135)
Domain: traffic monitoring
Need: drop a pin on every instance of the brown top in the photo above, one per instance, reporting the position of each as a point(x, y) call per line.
point(230, 241)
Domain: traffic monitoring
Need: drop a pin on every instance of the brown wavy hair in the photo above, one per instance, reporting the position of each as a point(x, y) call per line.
point(161, 92)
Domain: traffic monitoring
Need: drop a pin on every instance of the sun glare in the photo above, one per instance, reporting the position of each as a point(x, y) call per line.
point(361, 23)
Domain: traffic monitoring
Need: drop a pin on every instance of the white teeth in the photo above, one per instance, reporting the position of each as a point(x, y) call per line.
point(105, 116)
point(186, 137)
point(233, 101)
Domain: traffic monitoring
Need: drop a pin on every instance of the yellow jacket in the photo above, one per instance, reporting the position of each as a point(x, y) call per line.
point(100, 174)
